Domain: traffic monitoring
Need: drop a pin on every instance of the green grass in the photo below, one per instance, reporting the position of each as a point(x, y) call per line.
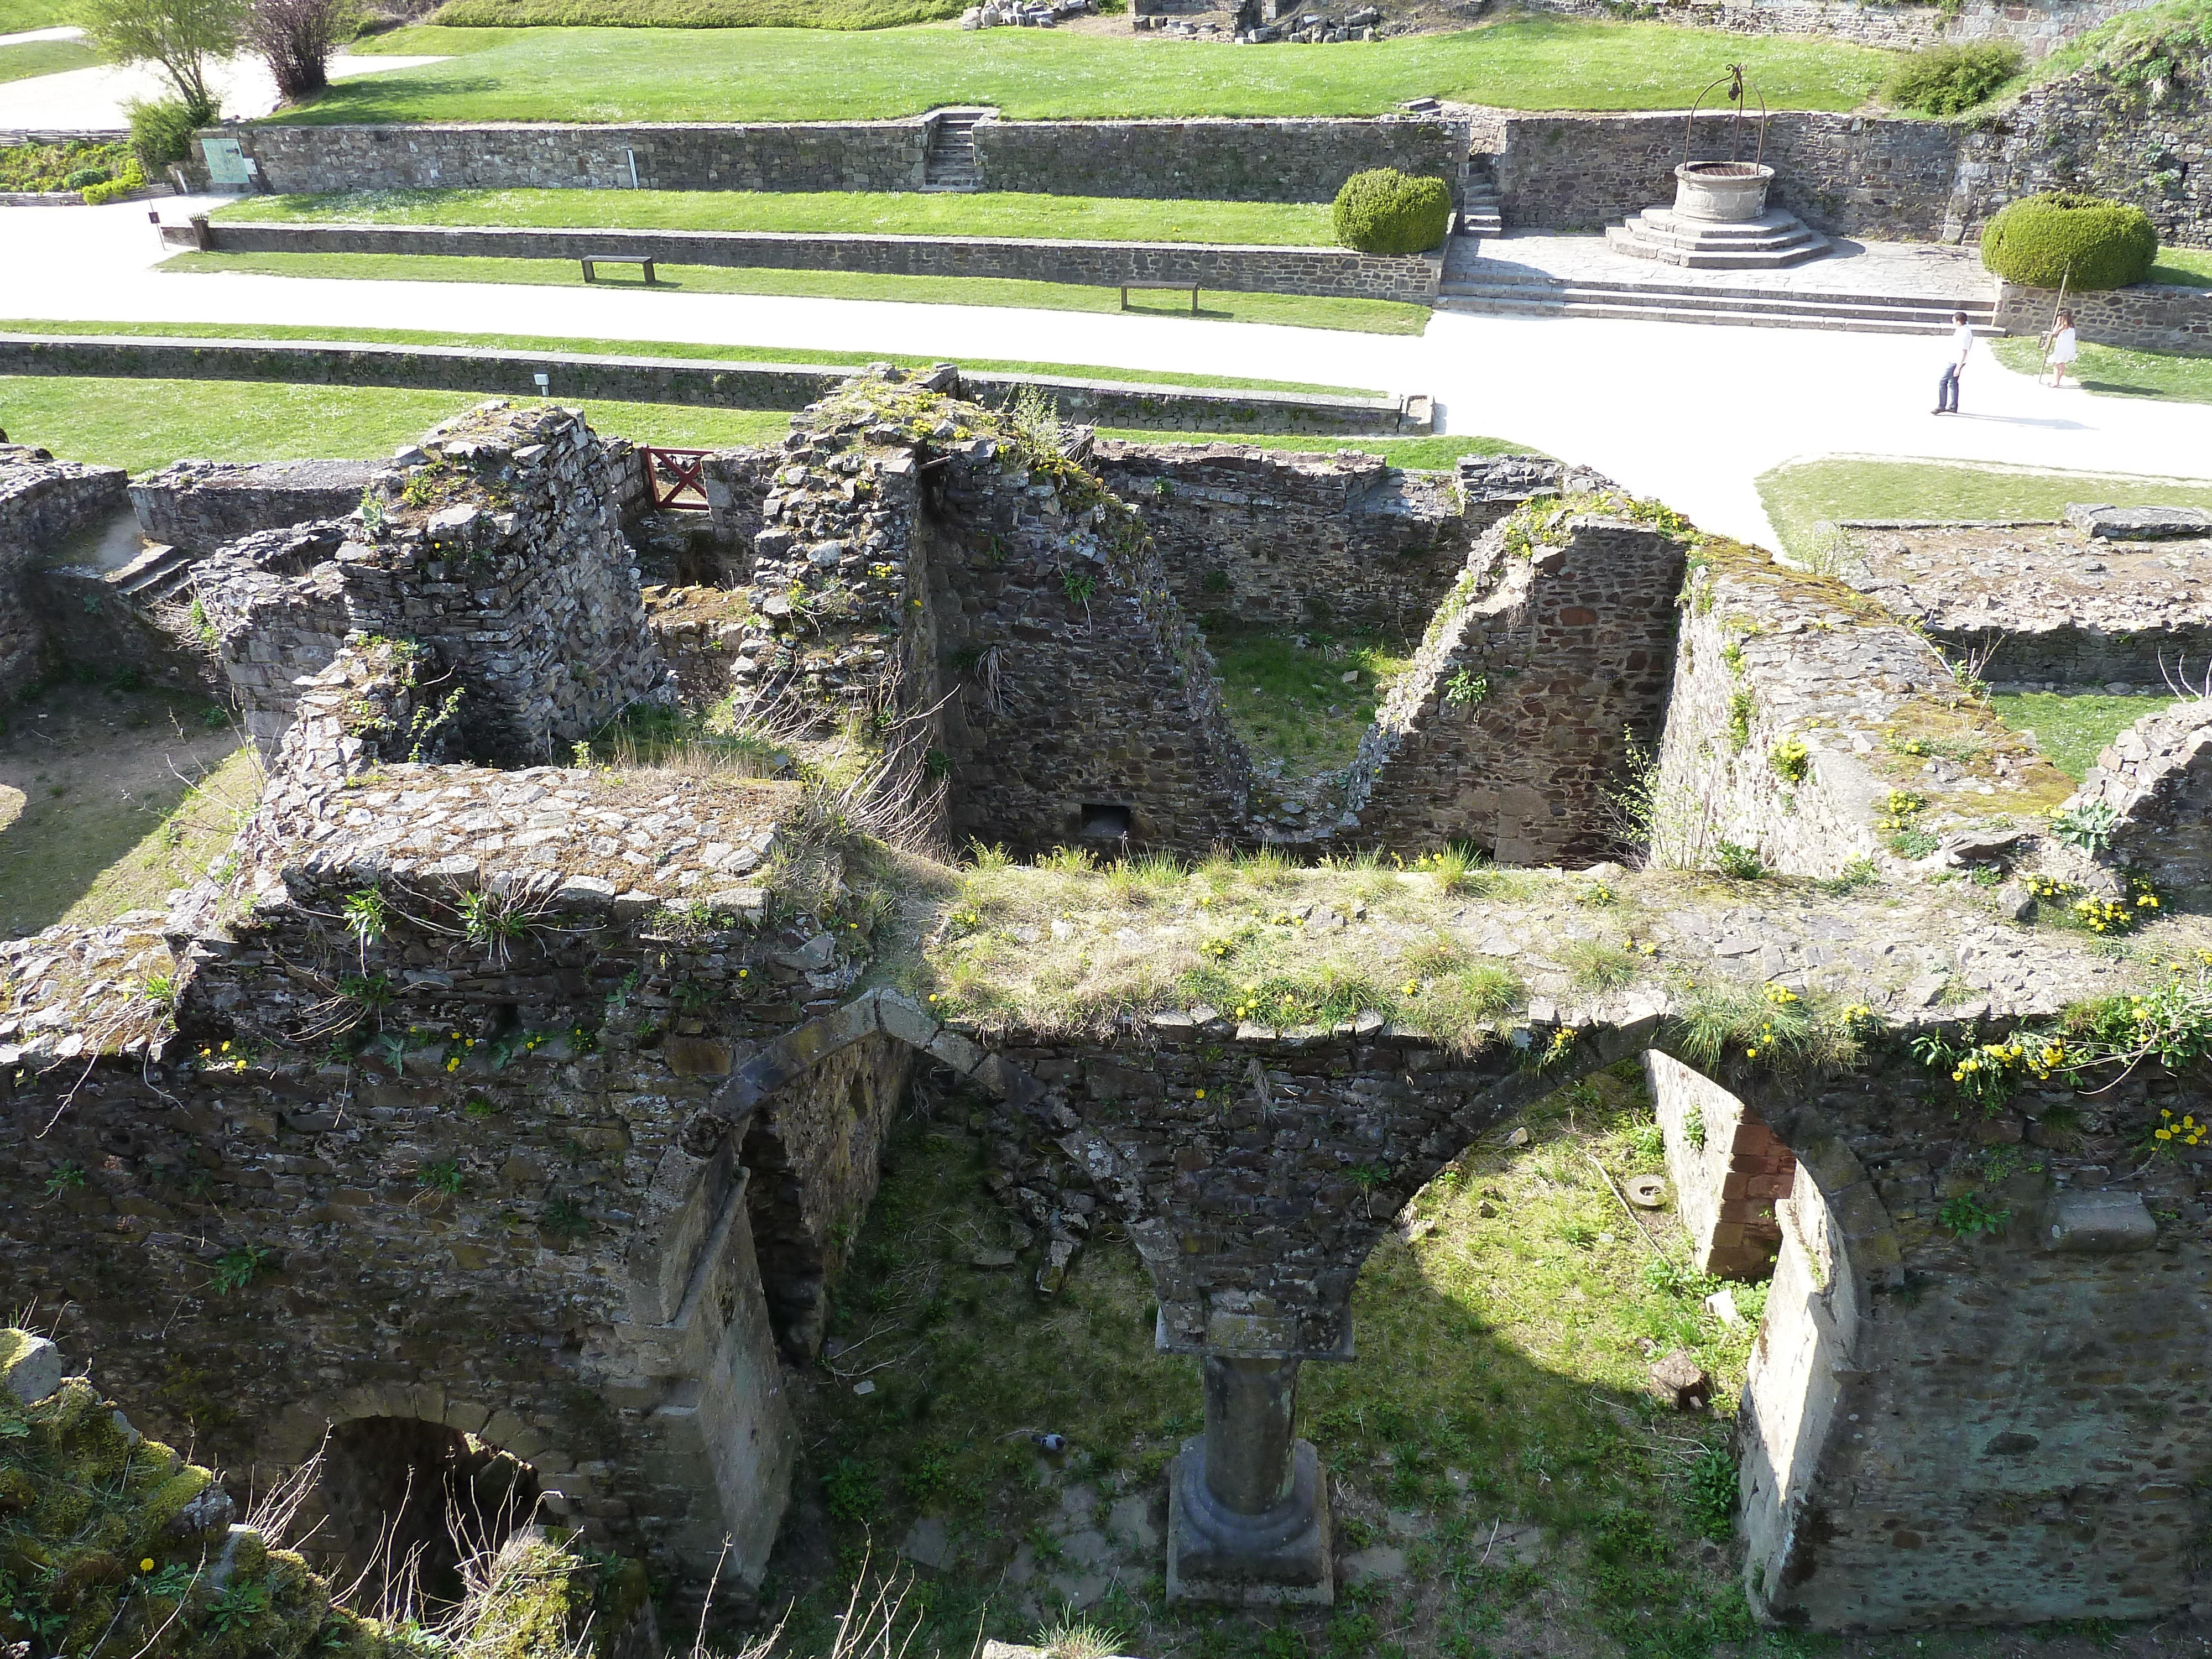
point(2115, 373)
point(696, 13)
point(2184, 267)
point(144, 424)
point(752, 354)
point(2070, 731)
point(18, 16)
point(1006, 213)
point(1280, 693)
point(1498, 1403)
point(798, 75)
point(30, 57)
point(1294, 311)
point(1803, 493)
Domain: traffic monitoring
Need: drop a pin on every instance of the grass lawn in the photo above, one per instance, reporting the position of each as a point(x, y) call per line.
point(109, 798)
point(1000, 213)
point(18, 16)
point(30, 57)
point(726, 354)
point(2111, 371)
point(1290, 702)
point(696, 13)
point(1496, 1427)
point(2187, 267)
point(1295, 311)
point(1801, 495)
point(2069, 731)
point(805, 75)
point(1435, 454)
point(144, 424)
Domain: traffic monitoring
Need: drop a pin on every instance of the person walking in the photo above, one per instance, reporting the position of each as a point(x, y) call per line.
point(1954, 365)
point(2061, 347)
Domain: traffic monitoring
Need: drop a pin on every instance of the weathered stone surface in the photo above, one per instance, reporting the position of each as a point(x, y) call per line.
point(2139, 524)
point(42, 502)
point(2156, 779)
point(198, 505)
point(1680, 1381)
point(2099, 1224)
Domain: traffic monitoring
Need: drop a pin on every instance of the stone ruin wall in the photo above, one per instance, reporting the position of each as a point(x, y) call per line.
point(198, 506)
point(1727, 1172)
point(1769, 657)
point(2038, 28)
point(2157, 778)
point(1259, 536)
point(1551, 656)
point(42, 502)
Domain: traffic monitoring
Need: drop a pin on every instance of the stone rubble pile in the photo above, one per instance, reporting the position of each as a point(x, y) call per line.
point(1034, 15)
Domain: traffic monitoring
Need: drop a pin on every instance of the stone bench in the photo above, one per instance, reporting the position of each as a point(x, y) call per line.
point(591, 261)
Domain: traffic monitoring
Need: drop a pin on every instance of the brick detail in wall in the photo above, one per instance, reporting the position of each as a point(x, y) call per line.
point(1727, 1168)
point(1515, 717)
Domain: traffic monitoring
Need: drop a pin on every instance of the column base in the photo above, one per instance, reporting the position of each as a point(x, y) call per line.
point(1278, 1558)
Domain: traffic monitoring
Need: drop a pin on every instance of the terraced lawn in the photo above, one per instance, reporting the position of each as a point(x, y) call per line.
point(810, 75)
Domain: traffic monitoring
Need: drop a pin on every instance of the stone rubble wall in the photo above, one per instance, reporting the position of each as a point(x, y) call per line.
point(1513, 719)
point(1728, 1174)
point(2157, 777)
point(2038, 28)
point(90, 620)
point(1331, 272)
point(1216, 160)
point(2146, 317)
point(1263, 535)
point(1771, 656)
point(276, 604)
point(705, 384)
point(42, 502)
point(199, 505)
point(1852, 175)
point(813, 156)
point(2083, 132)
point(1244, 160)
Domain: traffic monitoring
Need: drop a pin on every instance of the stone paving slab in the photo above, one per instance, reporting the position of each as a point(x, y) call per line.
point(1873, 269)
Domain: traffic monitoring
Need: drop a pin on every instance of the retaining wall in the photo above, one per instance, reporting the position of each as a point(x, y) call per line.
point(1219, 159)
point(42, 501)
point(1338, 272)
point(2147, 317)
point(2037, 28)
point(700, 382)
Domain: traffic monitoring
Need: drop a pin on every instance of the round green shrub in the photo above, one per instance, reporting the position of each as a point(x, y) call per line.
point(84, 176)
point(2062, 235)
point(1383, 210)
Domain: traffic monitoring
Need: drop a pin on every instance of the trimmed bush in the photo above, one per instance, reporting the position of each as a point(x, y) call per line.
point(1942, 80)
point(107, 190)
point(84, 176)
point(1383, 210)
point(161, 129)
point(2062, 235)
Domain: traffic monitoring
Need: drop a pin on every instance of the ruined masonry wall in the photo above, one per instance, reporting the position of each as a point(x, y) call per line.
point(2037, 28)
point(1768, 656)
point(198, 505)
point(1261, 536)
point(2157, 776)
point(1510, 725)
point(42, 501)
point(277, 603)
point(1727, 1176)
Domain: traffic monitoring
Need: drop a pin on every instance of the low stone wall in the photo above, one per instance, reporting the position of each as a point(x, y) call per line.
point(199, 505)
point(275, 602)
point(1852, 175)
point(42, 502)
point(2157, 777)
point(1242, 160)
point(2038, 28)
point(2147, 317)
point(1342, 273)
point(702, 383)
point(1262, 535)
point(1771, 659)
point(1214, 159)
point(1545, 663)
point(806, 155)
point(1727, 1170)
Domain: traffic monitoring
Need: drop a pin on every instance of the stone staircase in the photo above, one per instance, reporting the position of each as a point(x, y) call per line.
point(157, 576)
point(1479, 212)
point(1522, 293)
point(949, 164)
point(1770, 242)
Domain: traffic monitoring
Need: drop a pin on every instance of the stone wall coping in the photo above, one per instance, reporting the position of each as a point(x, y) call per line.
point(1401, 118)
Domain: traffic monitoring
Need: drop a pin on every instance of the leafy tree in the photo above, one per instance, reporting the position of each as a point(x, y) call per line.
point(297, 38)
point(176, 36)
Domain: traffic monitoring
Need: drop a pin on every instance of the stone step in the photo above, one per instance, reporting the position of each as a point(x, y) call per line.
point(1481, 222)
point(1531, 302)
point(156, 576)
point(1666, 235)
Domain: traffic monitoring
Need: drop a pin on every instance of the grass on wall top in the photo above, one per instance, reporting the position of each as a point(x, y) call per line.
point(695, 14)
point(796, 75)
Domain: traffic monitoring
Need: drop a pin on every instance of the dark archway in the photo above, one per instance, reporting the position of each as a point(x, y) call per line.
point(401, 1503)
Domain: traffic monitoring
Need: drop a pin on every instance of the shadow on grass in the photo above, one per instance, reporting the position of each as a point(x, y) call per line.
point(1492, 1430)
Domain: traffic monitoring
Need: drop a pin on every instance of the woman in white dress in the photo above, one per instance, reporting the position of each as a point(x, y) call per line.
point(2062, 347)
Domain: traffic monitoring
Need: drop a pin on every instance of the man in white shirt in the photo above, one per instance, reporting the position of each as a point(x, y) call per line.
point(1962, 344)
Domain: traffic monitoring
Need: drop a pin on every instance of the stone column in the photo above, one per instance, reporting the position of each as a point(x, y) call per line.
point(1248, 1502)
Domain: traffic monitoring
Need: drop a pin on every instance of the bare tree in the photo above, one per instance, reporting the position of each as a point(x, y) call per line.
point(298, 37)
point(177, 36)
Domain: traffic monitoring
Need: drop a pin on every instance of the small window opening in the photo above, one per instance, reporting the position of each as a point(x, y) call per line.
point(1105, 821)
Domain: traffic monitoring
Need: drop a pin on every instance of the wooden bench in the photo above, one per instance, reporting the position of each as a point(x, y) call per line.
point(591, 260)
point(1177, 287)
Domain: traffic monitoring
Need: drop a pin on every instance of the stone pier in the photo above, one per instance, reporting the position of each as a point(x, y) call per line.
point(1248, 1505)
